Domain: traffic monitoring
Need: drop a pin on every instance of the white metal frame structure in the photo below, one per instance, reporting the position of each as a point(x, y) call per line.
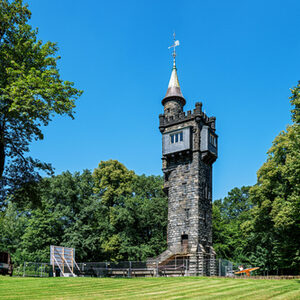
point(64, 258)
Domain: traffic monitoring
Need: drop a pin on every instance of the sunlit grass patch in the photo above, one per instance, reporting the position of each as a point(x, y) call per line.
point(147, 288)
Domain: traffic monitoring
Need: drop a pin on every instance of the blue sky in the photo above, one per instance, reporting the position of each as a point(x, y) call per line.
point(238, 57)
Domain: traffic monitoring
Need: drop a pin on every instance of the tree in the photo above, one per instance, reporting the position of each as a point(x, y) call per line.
point(261, 226)
point(141, 223)
point(125, 220)
point(275, 222)
point(113, 181)
point(67, 216)
point(134, 212)
point(12, 226)
point(228, 216)
point(295, 101)
point(31, 93)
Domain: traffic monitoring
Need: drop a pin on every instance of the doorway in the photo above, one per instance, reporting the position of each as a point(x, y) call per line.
point(184, 243)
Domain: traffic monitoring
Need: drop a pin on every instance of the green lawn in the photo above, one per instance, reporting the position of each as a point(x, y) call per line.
point(147, 288)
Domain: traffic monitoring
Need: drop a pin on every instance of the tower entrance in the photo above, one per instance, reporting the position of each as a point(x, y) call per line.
point(184, 243)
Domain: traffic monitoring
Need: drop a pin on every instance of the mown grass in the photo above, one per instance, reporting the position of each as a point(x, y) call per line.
point(147, 288)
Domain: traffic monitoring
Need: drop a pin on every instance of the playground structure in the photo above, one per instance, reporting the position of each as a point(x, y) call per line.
point(246, 271)
point(62, 260)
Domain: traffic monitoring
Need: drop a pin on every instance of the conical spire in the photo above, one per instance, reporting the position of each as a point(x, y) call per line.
point(174, 87)
point(174, 90)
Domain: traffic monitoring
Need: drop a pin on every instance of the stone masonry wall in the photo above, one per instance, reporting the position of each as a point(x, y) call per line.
point(188, 184)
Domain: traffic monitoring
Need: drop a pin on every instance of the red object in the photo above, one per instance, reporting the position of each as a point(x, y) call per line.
point(247, 271)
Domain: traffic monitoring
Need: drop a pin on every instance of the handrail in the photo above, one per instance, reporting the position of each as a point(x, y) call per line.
point(172, 267)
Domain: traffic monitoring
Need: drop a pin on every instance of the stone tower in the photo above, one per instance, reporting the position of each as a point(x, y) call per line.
point(189, 148)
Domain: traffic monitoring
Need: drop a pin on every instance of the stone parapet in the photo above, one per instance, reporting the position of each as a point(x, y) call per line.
point(197, 115)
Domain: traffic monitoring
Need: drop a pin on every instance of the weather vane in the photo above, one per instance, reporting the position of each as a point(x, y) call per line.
point(176, 43)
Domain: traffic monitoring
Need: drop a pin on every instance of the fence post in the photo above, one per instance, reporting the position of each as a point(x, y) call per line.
point(220, 267)
point(157, 274)
point(24, 270)
point(129, 270)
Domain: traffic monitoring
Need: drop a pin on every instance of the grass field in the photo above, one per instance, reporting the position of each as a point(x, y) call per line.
point(147, 288)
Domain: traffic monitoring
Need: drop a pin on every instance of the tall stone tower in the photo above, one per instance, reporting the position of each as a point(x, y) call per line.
point(189, 148)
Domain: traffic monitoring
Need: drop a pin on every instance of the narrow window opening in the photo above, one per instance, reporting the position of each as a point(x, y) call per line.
point(172, 138)
point(181, 136)
point(166, 176)
point(184, 190)
point(187, 213)
point(213, 140)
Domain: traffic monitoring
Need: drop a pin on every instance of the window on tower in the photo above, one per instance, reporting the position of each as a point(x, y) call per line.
point(181, 136)
point(176, 137)
point(213, 140)
point(176, 141)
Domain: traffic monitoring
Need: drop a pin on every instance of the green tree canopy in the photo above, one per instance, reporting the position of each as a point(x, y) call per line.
point(261, 226)
point(31, 93)
point(228, 216)
point(67, 216)
point(130, 224)
point(112, 181)
point(295, 101)
point(134, 212)
point(273, 231)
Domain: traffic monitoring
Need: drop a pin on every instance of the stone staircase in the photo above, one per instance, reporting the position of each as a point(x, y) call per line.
point(166, 255)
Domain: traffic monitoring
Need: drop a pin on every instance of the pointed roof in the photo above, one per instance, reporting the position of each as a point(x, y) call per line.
point(174, 90)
